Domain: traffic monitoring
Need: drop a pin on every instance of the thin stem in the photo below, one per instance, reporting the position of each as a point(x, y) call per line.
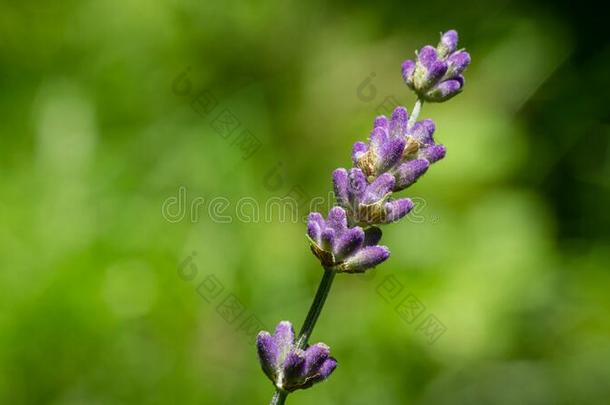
point(278, 398)
point(316, 308)
point(414, 113)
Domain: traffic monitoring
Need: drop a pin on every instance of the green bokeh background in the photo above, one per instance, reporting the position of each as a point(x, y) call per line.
point(509, 247)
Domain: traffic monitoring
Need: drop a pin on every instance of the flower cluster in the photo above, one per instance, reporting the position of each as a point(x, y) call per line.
point(437, 74)
point(395, 156)
point(398, 152)
point(344, 249)
point(288, 367)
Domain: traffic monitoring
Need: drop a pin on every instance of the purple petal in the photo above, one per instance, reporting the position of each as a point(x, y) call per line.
point(357, 186)
point(436, 71)
point(328, 367)
point(458, 62)
point(314, 231)
point(448, 43)
point(398, 124)
point(315, 356)
point(358, 150)
point(378, 137)
point(317, 218)
point(379, 188)
point(366, 258)
point(284, 336)
point(408, 173)
point(324, 371)
point(337, 219)
point(422, 131)
point(390, 153)
point(460, 79)
point(432, 153)
point(427, 56)
point(429, 70)
point(328, 239)
point(348, 242)
point(294, 365)
point(372, 236)
point(381, 122)
point(408, 67)
point(394, 210)
point(340, 184)
point(268, 353)
point(444, 91)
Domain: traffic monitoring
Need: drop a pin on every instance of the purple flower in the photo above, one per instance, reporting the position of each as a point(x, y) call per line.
point(436, 75)
point(420, 151)
point(429, 69)
point(457, 63)
point(345, 249)
point(448, 43)
point(408, 68)
point(385, 146)
point(445, 90)
point(291, 368)
point(369, 204)
point(392, 149)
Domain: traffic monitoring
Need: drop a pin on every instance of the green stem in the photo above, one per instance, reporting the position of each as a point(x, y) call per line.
point(316, 308)
point(414, 113)
point(278, 398)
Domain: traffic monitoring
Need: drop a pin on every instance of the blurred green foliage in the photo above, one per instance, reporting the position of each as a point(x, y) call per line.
point(512, 253)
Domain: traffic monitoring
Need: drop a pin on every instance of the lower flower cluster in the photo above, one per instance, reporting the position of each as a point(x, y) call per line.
point(344, 249)
point(287, 366)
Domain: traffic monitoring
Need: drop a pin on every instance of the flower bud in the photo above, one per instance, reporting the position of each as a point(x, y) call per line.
point(366, 258)
point(408, 173)
point(448, 43)
point(396, 209)
point(429, 69)
point(433, 153)
point(444, 91)
point(408, 67)
point(457, 63)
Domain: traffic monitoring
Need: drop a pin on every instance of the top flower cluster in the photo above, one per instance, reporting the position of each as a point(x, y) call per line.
point(399, 151)
point(436, 76)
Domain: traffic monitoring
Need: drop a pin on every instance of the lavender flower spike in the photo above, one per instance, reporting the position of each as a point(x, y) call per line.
point(398, 153)
point(287, 366)
point(436, 75)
